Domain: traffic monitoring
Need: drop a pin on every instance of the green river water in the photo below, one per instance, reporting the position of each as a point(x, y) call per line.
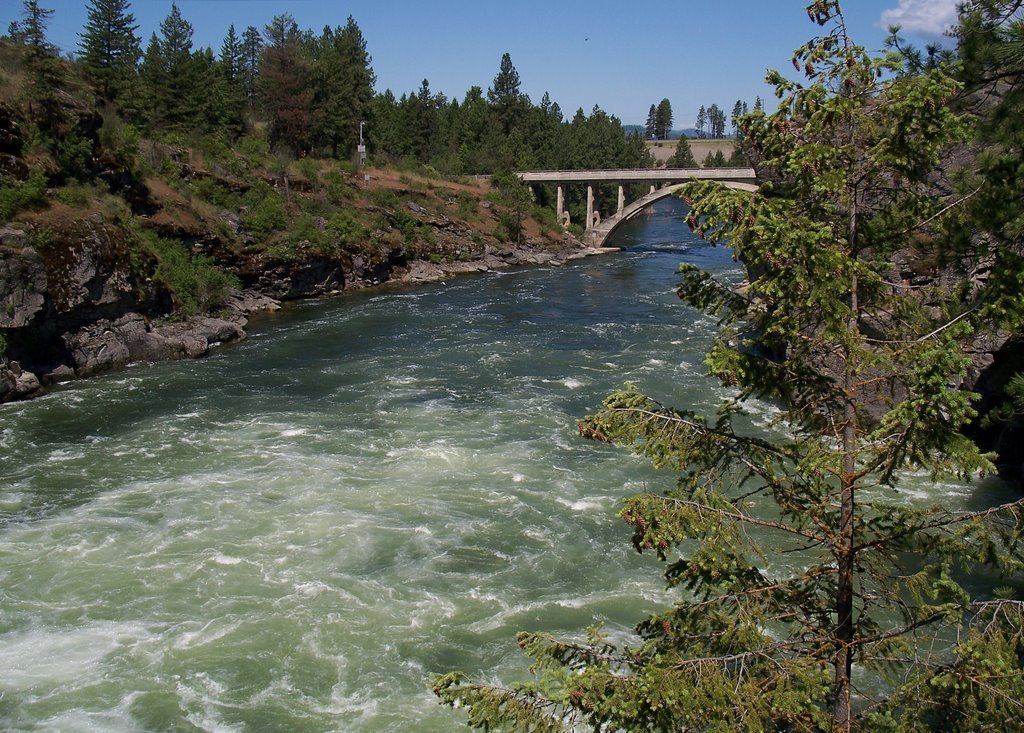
point(296, 532)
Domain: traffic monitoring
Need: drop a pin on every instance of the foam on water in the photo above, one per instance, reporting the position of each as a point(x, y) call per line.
point(295, 533)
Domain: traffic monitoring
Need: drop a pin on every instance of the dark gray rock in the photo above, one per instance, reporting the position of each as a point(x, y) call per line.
point(108, 346)
point(22, 284)
point(15, 383)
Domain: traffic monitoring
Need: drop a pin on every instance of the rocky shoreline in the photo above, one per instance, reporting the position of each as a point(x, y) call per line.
point(97, 321)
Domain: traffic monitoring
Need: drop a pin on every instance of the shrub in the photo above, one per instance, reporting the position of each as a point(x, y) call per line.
point(468, 206)
point(304, 228)
point(254, 149)
point(18, 195)
point(384, 197)
point(73, 154)
point(266, 213)
point(407, 225)
point(195, 282)
point(309, 169)
point(209, 190)
point(343, 229)
point(338, 189)
point(80, 194)
point(121, 139)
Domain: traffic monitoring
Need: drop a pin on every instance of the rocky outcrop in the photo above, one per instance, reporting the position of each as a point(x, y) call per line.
point(106, 346)
point(22, 280)
point(76, 303)
point(15, 383)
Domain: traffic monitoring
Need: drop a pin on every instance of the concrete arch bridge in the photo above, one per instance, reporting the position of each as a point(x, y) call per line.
point(663, 182)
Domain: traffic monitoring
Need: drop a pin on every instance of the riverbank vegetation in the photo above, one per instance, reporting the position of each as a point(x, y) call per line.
point(192, 173)
point(902, 615)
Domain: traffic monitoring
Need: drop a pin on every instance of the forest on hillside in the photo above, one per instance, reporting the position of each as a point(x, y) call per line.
point(307, 93)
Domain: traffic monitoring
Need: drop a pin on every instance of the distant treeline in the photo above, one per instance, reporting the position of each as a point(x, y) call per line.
point(309, 93)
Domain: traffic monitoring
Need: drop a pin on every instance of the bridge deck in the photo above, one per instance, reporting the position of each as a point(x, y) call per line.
point(638, 175)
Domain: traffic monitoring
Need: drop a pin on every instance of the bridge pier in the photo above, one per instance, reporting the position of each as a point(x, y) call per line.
point(622, 201)
point(590, 207)
point(559, 202)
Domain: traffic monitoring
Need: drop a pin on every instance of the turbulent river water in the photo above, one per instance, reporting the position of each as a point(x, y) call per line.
point(295, 533)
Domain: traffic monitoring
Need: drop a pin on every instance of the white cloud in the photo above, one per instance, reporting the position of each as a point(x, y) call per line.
point(925, 17)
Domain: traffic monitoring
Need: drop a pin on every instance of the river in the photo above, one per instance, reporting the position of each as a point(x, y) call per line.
point(296, 532)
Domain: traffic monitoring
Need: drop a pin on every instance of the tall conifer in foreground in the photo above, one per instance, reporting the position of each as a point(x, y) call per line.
point(859, 634)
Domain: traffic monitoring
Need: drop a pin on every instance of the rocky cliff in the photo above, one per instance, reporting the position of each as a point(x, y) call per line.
point(81, 297)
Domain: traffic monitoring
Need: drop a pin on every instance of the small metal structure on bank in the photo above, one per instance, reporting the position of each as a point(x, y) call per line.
point(663, 182)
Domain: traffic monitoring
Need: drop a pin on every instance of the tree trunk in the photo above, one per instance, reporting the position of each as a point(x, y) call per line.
point(845, 556)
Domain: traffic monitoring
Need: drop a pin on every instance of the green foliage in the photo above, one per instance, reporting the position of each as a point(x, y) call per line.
point(863, 373)
point(406, 224)
point(468, 206)
point(309, 169)
point(683, 156)
point(194, 280)
point(17, 195)
point(344, 87)
point(119, 139)
point(384, 197)
point(304, 230)
point(3, 344)
point(254, 148)
point(344, 229)
point(110, 48)
point(73, 154)
point(266, 213)
point(714, 160)
point(209, 190)
point(516, 200)
point(79, 194)
point(338, 189)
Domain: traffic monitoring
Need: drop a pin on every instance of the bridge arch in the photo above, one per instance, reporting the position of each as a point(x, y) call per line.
point(601, 233)
point(670, 179)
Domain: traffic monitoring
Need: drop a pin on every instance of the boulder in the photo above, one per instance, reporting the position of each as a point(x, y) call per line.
point(16, 383)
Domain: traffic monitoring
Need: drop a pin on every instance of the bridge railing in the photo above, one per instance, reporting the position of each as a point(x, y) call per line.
point(640, 175)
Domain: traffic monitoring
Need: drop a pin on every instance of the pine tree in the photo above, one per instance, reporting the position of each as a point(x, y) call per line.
point(864, 373)
point(702, 121)
point(651, 128)
point(286, 86)
point(344, 86)
point(509, 103)
point(31, 29)
point(110, 49)
point(420, 122)
point(683, 156)
point(990, 45)
point(42, 63)
point(716, 122)
point(169, 75)
point(737, 112)
point(252, 50)
point(663, 120)
point(231, 57)
point(385, 129)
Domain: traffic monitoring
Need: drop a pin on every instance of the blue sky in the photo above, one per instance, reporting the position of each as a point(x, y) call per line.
point(620, 55)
